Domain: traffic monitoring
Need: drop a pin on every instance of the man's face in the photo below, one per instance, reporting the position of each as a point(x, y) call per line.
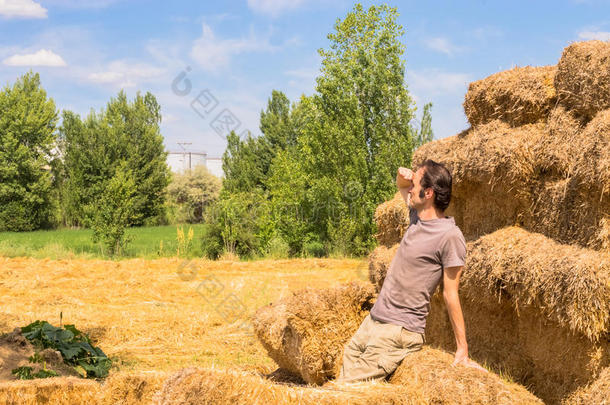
point(416, 200)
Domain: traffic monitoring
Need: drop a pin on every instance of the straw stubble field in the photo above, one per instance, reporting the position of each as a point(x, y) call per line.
point(155, 316)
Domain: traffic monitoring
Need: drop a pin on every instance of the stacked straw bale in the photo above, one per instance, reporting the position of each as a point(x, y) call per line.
point(583, 78)
point(519, 96)
point(549, 178)
point(527, 300)
point(305, 332)
point(392, 219)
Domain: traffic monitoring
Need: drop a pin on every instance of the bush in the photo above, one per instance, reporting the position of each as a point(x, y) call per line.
point(114, 212)
point(238, 223)
point(278, 248)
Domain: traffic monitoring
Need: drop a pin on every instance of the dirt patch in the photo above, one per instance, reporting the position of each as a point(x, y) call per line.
point(16, 351)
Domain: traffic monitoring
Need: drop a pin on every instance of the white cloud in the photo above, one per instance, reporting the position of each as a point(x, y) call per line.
point(442, 45)
point(43, 57)
point(213, 53)
point(432, 81)
point(22, 9)
point(124, 74)
point(273, 8)
point(588, 35)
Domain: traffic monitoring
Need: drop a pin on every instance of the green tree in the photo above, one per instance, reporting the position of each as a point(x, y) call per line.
point(124, 134)
point(246, 162)
point(356, 127)
point(425, 134)
point(27, 136)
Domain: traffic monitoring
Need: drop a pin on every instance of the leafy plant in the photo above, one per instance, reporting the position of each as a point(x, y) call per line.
point(75, 347)
point(25, 373)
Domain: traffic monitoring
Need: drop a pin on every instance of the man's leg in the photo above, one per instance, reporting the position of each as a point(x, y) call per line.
point(356, 346)
point(387, 346)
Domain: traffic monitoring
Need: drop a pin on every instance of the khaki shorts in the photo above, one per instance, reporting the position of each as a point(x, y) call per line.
point(376, 350)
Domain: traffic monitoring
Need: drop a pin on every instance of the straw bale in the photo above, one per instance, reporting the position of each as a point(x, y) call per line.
point(52, 391)
point(543, 177)
point(568, 284)
point(392, 219)
point(379, 263)
point(305, 333)
point(430, 372)
point(583, 78)
point(522, 95)
point(598, 392)
point(131, 388)
point(211, 386)
point(414, 382)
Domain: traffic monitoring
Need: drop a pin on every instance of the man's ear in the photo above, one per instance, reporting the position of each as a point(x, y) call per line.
point(429, 192)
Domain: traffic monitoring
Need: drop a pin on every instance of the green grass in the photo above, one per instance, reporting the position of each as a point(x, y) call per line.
point(146, 242)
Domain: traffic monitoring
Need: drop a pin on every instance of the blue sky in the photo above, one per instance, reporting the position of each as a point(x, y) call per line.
point(237, 52)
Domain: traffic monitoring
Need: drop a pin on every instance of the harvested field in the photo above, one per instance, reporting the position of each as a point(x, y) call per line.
point(583, 78)
point(522, 95)
point(524, 309)
point(146, 317)
point(305, 333)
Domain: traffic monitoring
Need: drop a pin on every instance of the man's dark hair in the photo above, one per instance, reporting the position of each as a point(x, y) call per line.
point(437, 177)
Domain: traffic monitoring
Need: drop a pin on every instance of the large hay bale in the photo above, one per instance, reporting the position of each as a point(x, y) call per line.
point(392, 219)
point(430, 373)
point(583, 78)
point(527, 300)
point(522, 95)
point(305, 333)
point(208, 386)
point(538, 176)
point(379, 263)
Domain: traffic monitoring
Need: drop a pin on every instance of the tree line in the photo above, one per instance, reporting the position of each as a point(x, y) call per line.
point(308, 185)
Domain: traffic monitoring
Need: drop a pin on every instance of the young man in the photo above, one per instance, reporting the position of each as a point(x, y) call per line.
point(432, 249)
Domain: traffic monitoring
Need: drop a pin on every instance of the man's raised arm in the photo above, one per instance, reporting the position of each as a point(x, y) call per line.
point(404, 181)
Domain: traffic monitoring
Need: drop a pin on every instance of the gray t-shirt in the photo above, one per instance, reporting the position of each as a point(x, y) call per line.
point(416, 270)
